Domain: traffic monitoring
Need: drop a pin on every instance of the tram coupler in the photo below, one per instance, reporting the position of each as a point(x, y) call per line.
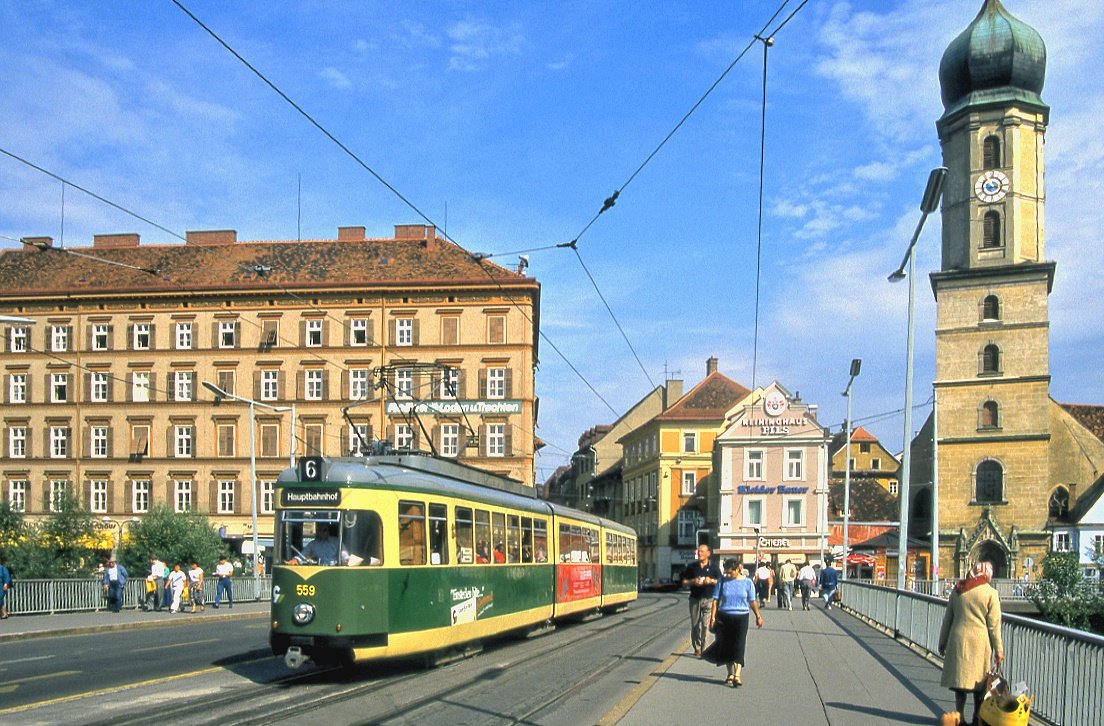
point(294, 657)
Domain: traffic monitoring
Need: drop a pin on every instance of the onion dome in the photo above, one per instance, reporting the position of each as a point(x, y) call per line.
point(996, 59)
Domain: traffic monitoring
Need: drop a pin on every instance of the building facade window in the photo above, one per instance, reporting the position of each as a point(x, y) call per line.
point(753, 464)
point(17, 495)
point(182, 495)
point(97, 489)
point(990, 415)
point(101, 336)
point(795, 464)
point(270, 334)
point(793, 509)
point(227, 334)
point(496, 439)
point(18, 338)
point(450, 330)
point(268, 497)
point(139, 441)
point(990, 153)
point(59, 338)
point(227, 434)
point(226, 380)
point(17, 442)
point(358, 384)
point(404, 436)
point(1059, 503)
point(142, 336)
point(1062, 542)
point(358, 332)
point(140, 387)
point(59, 442)
point(270, 440)
point(360, 437)
point(58, 489)
point(893, 487)
point(183, 336)
point(182, 441)
point(314, 439)
point(450, 440)
point(270, 385)
point(98, 441)
point(313, 379)
point(140, 495)
point(991, 231)
point(753, 512)
point(496, 329)
point(689, 442)
point(404, 331)
point(496, 383)
point(989, 483)
point(226, 496)
point(99, 387)
point(875, 464)
point(990, 359)
point(404, 383)
point(689, 483)
point(314, 333)
point(184, 388)
point(990, 308)
point(689, 521)
point(59, 387)
point(17, 388)
point(450, 382)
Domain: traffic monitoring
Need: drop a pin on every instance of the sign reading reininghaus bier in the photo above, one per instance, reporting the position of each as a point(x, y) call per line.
point(452, 407)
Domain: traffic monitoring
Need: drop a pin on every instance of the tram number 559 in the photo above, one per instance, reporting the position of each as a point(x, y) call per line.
point(304, 590)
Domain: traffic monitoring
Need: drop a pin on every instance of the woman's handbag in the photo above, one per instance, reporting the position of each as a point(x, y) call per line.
point(1001, 707)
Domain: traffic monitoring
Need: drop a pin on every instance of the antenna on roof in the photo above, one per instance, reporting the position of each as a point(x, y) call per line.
point(299, 210)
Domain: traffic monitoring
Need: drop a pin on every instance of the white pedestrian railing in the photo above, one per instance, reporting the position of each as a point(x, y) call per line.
point(37, 597)
point(1008, 589)
point(1063, 667)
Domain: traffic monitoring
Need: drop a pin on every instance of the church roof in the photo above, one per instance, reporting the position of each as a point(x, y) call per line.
point(1089, 416)
point(996, 59)
point(710, 399)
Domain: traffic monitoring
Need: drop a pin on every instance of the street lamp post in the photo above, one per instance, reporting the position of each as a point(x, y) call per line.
point(756, 529)
point(929, 204)
point(856, 365)
point(219, 395)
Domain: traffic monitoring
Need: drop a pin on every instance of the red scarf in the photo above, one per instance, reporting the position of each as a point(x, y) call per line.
point(970, 583)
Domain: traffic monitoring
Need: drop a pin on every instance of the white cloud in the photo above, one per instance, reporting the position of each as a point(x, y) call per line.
point(335, 78)
point(475, 43)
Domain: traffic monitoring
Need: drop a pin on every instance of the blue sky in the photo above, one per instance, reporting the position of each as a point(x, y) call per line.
point(509, 123)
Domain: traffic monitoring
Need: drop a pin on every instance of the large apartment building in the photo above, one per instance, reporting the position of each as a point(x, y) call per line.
point(114, 351)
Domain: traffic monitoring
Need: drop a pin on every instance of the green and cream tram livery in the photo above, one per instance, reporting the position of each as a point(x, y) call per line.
point(391, 556)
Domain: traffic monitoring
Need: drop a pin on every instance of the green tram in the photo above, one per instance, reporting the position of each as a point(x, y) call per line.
point(391, 556)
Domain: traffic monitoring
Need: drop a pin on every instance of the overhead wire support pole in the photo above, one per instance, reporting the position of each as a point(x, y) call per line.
point(767, 43)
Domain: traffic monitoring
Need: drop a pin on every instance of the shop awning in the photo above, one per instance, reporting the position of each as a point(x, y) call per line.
point(856, 558)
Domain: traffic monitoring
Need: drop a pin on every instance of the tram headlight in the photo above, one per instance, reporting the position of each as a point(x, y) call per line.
point(302, 613)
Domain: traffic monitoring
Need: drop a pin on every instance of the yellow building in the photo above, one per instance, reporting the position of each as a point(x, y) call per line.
point(869, 460)
point(104, 392)
point(667, 465)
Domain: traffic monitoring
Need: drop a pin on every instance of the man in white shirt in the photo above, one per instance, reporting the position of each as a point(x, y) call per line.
point(224, 571)
point(157, 574)
point(807, 577)
point(321, 550)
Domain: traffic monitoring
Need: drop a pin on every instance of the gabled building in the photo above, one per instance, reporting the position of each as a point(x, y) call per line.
point(667, 466)
point(869, 459)
point(104, 391)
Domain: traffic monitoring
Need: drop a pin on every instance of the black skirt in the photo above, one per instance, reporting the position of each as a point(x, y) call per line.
point(729, 639)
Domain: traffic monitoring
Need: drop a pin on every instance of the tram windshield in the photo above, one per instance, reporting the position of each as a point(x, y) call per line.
point(330, 538)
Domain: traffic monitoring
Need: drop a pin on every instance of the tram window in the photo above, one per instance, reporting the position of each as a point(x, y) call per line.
point(498, 534)
point(526, 539)
point(412, 539)
point(610, 545)
point(438, 534)
point(593, 543)
point(540, 540)
point(465, 530)
point(513, 538)
point(362, 537)
point(482, 536)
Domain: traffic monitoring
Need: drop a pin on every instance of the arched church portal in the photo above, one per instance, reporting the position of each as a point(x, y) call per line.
point(992, 552)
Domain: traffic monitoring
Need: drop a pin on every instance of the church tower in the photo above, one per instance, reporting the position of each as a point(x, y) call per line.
point(992, 374)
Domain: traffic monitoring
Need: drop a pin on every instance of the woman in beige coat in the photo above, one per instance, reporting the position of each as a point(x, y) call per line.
point(970, 639)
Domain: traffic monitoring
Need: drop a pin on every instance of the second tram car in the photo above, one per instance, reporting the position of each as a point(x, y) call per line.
point(392, 556)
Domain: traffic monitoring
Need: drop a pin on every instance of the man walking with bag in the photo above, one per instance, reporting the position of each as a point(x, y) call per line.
point(114, 580)
point(702, 577)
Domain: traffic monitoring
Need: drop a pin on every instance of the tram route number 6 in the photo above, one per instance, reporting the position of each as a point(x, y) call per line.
point(304, 590)
point(310, 468)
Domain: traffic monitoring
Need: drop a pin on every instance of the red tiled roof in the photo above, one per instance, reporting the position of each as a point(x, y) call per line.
point(195, 267)
point(710, 399)
point(1091, 417)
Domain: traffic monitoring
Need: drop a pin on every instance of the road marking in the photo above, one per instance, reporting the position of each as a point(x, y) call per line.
point(28, 660)
point(162, 646)
point(10, 686)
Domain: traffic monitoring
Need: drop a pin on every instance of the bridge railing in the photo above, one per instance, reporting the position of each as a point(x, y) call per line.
point(40, 597)
point(1063, 667)
point(1008, 589)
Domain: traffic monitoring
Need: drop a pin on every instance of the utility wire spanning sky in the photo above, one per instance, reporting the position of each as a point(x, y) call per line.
point(510, 124)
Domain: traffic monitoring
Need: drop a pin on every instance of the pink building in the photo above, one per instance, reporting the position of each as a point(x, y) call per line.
point(772, 462)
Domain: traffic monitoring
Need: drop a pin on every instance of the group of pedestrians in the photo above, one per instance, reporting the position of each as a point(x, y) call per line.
point(792, 580)
point(168, 587)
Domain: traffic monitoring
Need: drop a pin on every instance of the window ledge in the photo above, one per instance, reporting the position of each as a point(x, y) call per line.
point(976, 503)
point(989, 429)
point(990, 374)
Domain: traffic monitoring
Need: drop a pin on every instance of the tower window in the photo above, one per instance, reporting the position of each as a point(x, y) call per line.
point(990, 483)
point(990, 415)
point(990, 308)
point(990, 359)
point(991, 232)
point(990, 153)
point(1058, 507)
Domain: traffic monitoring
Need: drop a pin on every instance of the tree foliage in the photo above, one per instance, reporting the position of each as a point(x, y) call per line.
point(62, 545)
point(1064, 596)
point(173, 537)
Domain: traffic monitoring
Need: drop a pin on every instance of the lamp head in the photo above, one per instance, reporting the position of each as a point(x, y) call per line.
point(856, 366)
point(898, 275)
point(219, 393)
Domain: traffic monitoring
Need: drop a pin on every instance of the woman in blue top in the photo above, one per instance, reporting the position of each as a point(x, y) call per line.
point(733, 601)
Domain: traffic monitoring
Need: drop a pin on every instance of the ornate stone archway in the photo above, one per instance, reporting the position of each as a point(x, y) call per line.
point(987, 542)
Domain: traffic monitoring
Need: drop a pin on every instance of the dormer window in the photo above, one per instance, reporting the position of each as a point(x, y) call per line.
point(990, 153)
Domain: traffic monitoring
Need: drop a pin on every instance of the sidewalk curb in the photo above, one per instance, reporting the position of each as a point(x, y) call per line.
point(109, 627)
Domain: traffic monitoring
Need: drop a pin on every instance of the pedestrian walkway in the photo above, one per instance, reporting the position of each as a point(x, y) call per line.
point(808, 668)
point(19, 627)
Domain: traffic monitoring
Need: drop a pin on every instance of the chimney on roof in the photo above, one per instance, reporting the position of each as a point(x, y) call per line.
point(711, 365)
point(672, 392)
point(350, 234)
point(212, 238)
point(426, 233)
point(40, 243)
point(114, 241)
